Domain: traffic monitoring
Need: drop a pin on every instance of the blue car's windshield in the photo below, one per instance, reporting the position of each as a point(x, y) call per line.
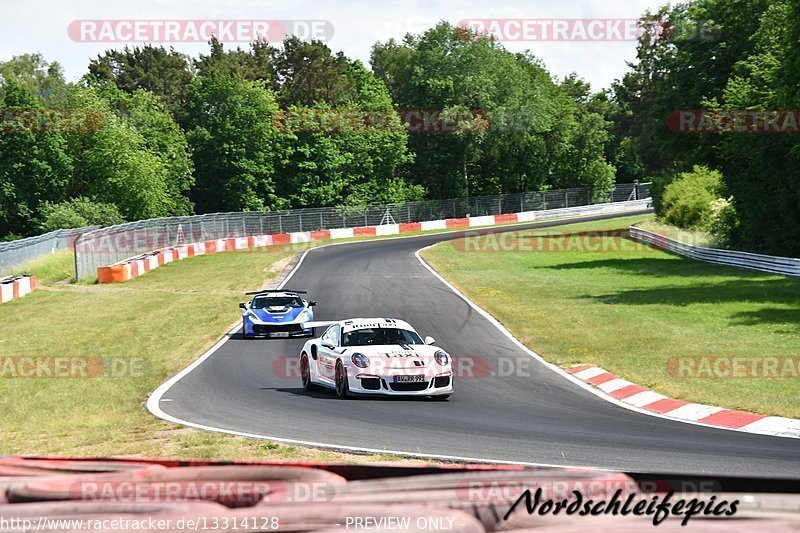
point(262, 302)
point(376, 336)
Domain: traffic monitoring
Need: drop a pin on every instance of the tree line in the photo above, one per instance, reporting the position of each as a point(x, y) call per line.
point(249, 128)
point(159, 133)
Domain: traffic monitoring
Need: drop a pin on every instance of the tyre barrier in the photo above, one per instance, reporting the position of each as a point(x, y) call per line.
point(138, 265)
point(350, 471)
point(310, 498)
point(13, 287)
point(17, 471)
point(44, 467)
point(233, 486)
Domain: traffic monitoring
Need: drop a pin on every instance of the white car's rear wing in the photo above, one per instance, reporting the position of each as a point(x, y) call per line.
point(320, 324)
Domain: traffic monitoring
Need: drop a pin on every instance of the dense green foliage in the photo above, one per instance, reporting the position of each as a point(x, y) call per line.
point(135, 157)
point(77, 213)
point(235, 143)
point(34, 165)
point(687, 201)
point(721, 55)
point(166, 74)
point(521, 130)
point(298, 125)
point(725, 224)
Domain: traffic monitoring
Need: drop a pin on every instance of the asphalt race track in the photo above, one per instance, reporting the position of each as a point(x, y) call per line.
point(540, 417)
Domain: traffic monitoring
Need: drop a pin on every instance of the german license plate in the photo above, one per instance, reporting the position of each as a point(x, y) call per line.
point(409, 379)
point(279, 334)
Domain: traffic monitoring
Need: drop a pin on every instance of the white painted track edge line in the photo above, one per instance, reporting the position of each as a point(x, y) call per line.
point(563, 373)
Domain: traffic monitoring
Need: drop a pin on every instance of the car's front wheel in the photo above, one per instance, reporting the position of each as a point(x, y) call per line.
point(244, 332)
point(342, 386)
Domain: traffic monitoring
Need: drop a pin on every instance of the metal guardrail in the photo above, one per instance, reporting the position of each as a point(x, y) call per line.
point(14, 253)
point(133, 267)
point(766, 263)
point(106, 246)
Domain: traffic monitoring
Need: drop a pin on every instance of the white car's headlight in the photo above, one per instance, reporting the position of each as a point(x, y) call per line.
point(305, 316)
point(441, 357)
point(360, 360)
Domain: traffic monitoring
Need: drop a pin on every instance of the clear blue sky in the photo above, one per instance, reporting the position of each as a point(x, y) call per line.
point(28, 26)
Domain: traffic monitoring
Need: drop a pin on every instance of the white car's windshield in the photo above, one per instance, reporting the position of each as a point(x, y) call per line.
point(376, 336)
point(276, 301)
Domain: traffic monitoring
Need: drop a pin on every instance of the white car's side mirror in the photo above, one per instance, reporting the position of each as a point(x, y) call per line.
point(429, 340)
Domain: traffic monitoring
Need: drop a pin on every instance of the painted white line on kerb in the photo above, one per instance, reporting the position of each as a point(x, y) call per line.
point(590, 373)
point(644, 398)
point(694, 411)
point(614, 385)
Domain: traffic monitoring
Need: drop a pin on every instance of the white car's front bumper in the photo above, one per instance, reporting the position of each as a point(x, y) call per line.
point(261, 327)
point(362, 381)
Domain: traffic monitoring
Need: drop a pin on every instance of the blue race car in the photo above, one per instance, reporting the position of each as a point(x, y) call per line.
point(276, 313)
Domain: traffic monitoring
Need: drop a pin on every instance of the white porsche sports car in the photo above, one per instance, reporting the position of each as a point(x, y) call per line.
point(376, 356)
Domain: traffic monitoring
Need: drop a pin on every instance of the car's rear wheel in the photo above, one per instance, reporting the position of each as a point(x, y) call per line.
point(305, 374)
point(342, 387)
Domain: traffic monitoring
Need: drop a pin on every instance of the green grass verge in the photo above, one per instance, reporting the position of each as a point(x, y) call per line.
point(106, 415)
point(59, 266)
point(631, 309)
